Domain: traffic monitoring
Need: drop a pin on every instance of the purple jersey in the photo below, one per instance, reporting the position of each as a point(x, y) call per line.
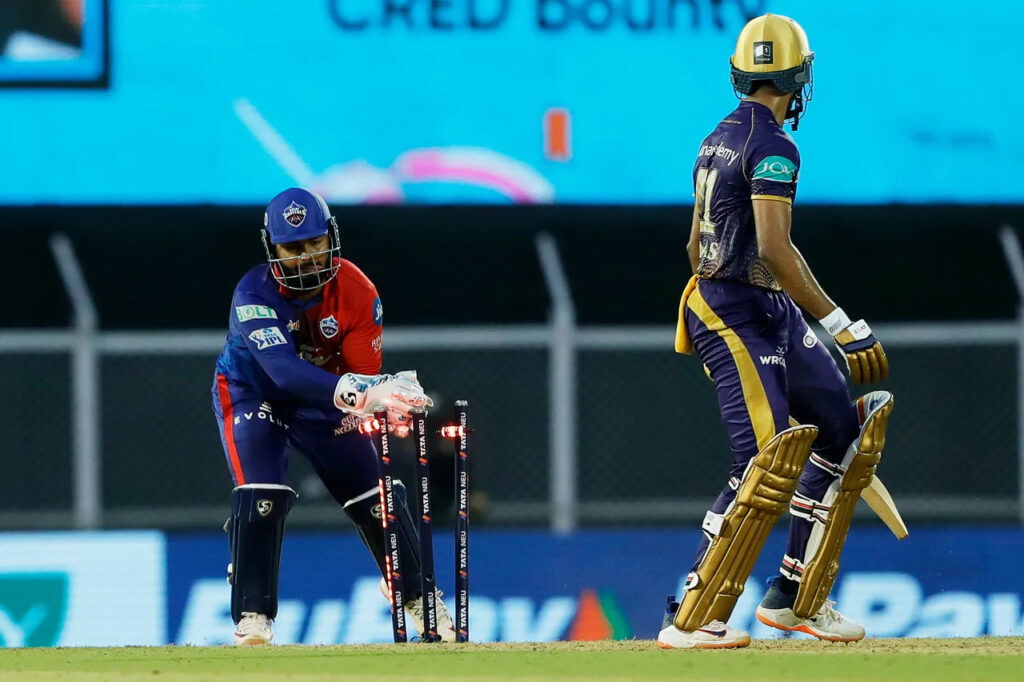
point(748, 156)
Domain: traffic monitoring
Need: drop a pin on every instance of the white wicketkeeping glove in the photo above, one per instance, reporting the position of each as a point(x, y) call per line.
point(397, 393)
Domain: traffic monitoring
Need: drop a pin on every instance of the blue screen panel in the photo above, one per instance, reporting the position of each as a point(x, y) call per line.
point(501, 101)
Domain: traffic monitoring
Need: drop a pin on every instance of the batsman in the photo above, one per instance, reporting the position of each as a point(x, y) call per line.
point(741, 314)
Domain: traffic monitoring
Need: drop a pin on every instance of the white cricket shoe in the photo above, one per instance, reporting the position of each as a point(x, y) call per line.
point(827, 623)
point(445, 626)
point(254, 629)
point(414, 613)
point(714, 635)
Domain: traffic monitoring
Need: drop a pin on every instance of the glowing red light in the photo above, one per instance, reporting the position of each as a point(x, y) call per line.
point(369, 426)
point(452, 431)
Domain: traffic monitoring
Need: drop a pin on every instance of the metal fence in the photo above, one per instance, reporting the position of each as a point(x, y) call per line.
point(573, 425)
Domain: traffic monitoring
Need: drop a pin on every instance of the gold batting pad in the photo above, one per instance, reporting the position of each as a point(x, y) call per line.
point(762, 497)
point(826, 543)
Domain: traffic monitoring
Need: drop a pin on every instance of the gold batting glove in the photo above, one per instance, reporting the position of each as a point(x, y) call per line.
point(865, 358)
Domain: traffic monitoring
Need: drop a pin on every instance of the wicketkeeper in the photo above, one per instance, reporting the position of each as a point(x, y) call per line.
point(301, 369)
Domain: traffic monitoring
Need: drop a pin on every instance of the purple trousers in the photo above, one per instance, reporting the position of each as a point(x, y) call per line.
point(767, 365)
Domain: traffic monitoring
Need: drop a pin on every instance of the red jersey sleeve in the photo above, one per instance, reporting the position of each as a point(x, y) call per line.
point(361, 348)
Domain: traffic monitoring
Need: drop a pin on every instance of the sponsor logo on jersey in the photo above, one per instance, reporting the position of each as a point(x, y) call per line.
point(294, 214)
point(810, 338)
point(329, 327)
point(719, 150)
point(778, 359)
point(264, 414)
point(764, 52)
point(266, 337)
point(377, 343)
point(776, 168)
point(378, 312)
point(254, 312)
point(349, 423)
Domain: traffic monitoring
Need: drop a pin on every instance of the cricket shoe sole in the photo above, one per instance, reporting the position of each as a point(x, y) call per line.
point(828, 624)
point(714, 635)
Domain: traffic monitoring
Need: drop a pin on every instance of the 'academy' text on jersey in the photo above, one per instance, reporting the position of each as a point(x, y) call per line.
point(748, 156)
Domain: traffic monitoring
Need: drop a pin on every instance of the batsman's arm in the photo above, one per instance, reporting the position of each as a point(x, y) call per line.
point(773, 221)
point(864, 355)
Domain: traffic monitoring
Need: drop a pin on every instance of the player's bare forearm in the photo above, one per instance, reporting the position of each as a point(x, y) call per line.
point(776, 250)
point(791, 271)
point(864, 355)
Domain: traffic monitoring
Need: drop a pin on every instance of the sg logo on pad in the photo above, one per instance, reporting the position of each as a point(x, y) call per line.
point(264, 506)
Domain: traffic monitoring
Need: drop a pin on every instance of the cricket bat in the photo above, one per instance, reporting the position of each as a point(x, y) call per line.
point(880, 501)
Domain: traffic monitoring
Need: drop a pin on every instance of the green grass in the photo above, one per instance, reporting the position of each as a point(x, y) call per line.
point(931, 660)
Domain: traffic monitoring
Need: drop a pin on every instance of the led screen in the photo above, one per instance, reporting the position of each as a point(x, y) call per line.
point(571, 101)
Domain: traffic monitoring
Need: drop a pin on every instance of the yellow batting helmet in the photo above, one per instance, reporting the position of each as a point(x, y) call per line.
point(772, 48)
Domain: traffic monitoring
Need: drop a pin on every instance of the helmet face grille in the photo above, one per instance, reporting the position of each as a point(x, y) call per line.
point(296, 278)
point(786, 81)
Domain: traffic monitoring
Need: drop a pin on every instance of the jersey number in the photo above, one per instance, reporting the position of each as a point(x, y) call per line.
point(706, 179)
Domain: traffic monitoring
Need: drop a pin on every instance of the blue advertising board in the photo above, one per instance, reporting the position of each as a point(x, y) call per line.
point(534, 586)
point(150, 588)
point(82, 589)
point(577, 101)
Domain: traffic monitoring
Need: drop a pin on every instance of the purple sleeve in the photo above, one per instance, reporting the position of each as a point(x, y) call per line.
point(264, 328)
point(773, 166)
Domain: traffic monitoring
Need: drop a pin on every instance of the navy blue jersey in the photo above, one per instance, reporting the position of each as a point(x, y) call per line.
point(280, 348)
point(748, 156)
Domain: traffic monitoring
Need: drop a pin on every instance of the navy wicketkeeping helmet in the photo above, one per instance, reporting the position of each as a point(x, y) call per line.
point(293, 215)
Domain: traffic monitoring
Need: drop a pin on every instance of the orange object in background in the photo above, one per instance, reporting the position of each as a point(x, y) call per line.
point(73, 11)
point(557, 134)
point(590, 624)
